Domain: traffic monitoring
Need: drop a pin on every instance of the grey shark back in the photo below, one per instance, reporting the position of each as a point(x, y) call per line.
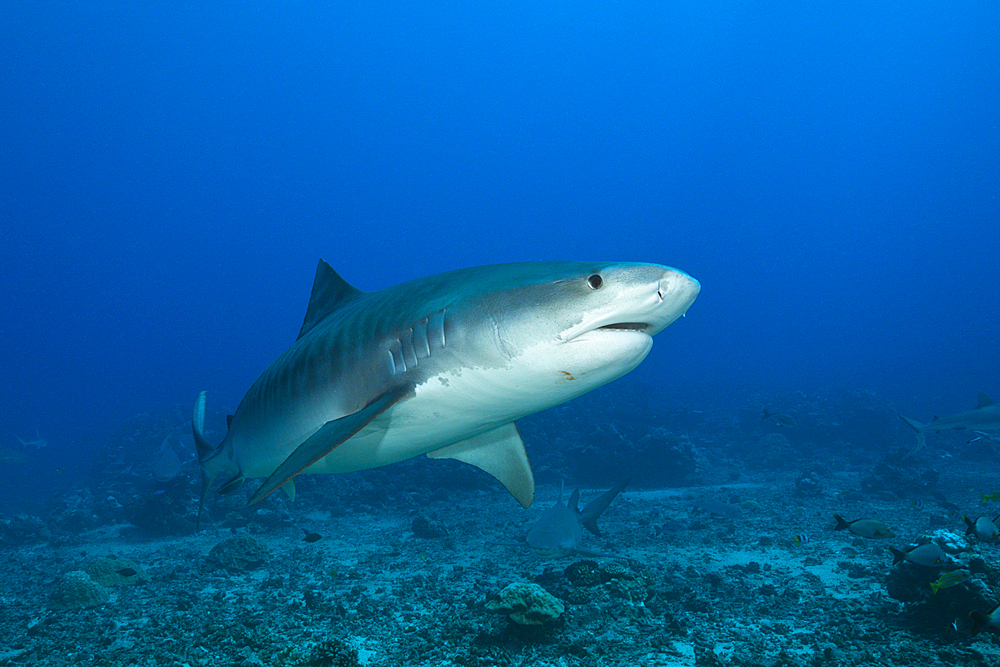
point(984, 417)
point(442, 366)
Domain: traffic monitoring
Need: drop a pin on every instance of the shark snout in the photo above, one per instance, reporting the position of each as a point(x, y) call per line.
point(678, 287)
point(676, 291)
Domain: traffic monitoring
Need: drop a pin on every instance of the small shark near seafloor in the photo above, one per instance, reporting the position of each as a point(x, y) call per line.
point(441, 365)
point(559, 530)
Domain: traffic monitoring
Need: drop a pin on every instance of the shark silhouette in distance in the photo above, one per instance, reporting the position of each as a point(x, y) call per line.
point(441, 365)
point(984, 417)
point(35, 443)
point(559, 530)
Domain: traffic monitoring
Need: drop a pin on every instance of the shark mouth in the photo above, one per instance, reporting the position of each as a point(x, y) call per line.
point(617, 328)
point(627, 326)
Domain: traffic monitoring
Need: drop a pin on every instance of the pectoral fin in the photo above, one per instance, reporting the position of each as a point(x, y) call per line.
point(323, 441)
point(499, 452)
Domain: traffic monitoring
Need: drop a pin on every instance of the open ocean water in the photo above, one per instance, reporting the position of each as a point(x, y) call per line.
point(171, 172)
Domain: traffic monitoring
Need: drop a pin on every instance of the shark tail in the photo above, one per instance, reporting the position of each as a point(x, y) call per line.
point(209, 463)
point(596, 508)
point(921, 439)
point(914, 424)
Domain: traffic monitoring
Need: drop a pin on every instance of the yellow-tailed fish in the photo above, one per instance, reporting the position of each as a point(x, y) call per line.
point(949, 579)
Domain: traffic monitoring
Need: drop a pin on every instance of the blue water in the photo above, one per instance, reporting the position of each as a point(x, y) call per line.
point(170, 172)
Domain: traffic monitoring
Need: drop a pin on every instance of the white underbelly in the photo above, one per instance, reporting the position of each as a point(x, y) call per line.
point(456, 405)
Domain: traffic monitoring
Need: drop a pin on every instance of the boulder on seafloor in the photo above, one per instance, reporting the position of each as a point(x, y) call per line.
point(116, 572)
point(76, 590)
point(238, 553)
point(527, 604)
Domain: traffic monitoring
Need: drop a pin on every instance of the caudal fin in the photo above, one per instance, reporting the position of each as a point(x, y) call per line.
point(899, 556)
point(914, 424)
point(205, 451)
point(594, 510)
point(842, 524)
point(919, 428)
point(981, 621)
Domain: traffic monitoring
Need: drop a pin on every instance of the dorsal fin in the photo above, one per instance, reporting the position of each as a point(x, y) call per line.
point(984, 400)
point(574, 501)
point(329, 293)
point(229, 421)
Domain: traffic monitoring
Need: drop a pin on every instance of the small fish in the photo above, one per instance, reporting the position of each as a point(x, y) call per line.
point(988, 621)
point(981, 436)
point(983, 528)
point(949, 579)
point(928, 555)
point(158, 492)
point(127, 572)
point(311, 537)
point(670, 527)
point(799, 540)
point(917, 505)
point(873, 529)
point(720, 508)
point(850, 552)
point(990, 497)
point(780, 418)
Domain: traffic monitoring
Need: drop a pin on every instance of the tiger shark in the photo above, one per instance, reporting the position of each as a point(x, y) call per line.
point(443, 365)
point(984, 417)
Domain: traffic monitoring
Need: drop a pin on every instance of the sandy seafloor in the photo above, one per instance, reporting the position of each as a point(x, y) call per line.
point(730, 592)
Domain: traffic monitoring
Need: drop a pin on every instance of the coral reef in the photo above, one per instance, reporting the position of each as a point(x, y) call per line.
point(116, 572)
point(75, 590)
point(239, 553)
point(527, 604)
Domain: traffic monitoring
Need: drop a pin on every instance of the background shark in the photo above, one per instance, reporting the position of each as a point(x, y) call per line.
point(442, 366)
point(559, 530)
point(984, 417)
point(35, 443)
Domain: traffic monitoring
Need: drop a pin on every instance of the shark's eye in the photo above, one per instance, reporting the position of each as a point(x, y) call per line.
point(595, 281)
